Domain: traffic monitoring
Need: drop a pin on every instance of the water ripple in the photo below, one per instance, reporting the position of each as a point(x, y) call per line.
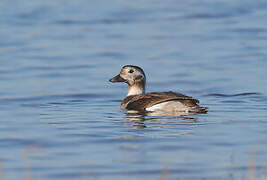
point(59, 96)
point(234, 95)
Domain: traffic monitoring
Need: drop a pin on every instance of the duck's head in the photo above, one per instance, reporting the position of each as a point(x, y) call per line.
point(134, 76)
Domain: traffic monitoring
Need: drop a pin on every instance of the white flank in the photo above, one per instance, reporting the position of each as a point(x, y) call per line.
point(170, 106)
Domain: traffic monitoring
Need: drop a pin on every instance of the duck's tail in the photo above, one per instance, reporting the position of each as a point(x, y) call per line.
point(199, 109)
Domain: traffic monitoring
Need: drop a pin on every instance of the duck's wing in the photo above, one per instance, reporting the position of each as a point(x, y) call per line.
point(141, 102)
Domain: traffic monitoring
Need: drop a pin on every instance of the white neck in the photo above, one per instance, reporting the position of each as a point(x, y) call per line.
point(135, 90)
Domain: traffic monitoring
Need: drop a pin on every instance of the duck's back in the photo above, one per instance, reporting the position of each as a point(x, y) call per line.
point(164, 101)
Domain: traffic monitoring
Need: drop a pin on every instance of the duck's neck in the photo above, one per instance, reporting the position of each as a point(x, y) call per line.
point(136, 89)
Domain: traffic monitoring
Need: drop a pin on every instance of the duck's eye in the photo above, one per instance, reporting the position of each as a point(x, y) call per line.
point(130, 71)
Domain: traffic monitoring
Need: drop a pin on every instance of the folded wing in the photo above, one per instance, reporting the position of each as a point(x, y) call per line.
point(141, 102)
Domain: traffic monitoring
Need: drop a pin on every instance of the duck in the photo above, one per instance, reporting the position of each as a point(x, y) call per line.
point(138, 100)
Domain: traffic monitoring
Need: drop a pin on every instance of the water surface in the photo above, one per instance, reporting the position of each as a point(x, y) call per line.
point(60, 117)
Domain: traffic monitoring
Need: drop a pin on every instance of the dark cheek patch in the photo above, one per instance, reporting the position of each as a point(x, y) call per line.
point(139, 77)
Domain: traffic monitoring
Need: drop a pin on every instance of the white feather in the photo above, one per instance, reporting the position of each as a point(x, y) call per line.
point(170, 106)
point(135, 90)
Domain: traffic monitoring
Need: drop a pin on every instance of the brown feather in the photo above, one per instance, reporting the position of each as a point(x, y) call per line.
point(141, 102)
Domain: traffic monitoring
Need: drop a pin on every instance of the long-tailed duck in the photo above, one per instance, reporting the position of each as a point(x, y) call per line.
point(138, 100)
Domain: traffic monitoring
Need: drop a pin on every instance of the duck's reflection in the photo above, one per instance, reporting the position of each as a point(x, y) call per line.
point(138, 118)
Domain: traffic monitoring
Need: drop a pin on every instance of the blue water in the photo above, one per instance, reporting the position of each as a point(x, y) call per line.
point(60, 117)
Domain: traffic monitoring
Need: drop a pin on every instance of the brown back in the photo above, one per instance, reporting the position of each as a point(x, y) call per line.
point(141, 102)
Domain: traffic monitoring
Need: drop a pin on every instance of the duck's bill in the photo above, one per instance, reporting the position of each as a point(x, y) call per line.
point(117, 78)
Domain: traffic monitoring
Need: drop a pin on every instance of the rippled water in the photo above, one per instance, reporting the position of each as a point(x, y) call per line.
point(60, 117)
